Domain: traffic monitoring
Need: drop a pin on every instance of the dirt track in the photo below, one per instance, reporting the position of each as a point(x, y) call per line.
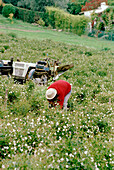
point(20, 29)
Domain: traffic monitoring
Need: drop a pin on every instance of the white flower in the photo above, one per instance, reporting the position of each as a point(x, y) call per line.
point(62, 159)
point(86, 152)
point(92, 159)
point(3, 166)
point(57, 123)
point(67, 159)
point(66, 166)
point(42, 150)
point(8, 124)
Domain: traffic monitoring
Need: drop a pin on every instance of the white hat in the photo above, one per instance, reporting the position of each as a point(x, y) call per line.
point(51, 93)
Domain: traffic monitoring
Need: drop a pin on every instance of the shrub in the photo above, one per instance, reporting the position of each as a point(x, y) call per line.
point(74, 8)
point(100, 34)
point(59, 19)
point(103, 126)
point(6, 46)
point(8, 9)
point(41, 22)
point(2, 49)
point(4, 145)
point(90, 34)
point(1, 7)
point(111, 3)
point(102, 73)
point(24, 15)
point(20, 108)
point(13, 96)
point(27, 15)
point(13, 35)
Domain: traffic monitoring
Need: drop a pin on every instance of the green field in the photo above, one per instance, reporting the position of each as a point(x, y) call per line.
point(35, 137)
point(39, 33)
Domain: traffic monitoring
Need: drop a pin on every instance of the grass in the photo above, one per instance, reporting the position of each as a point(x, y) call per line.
point(45, 33)
point(36, 137)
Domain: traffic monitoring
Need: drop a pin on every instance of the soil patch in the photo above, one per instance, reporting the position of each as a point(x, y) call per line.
point(9, 28)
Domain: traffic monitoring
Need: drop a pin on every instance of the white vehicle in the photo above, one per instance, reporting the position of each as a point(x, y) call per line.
point(20, 70)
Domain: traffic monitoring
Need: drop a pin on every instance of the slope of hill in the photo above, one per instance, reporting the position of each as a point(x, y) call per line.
point(25, 30)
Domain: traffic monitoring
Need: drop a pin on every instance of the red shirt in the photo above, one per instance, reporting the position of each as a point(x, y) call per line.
point(63, 88)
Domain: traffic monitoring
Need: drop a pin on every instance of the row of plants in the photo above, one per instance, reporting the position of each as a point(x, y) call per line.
point(36, 137)
point(53, 17)
point(58, 19)
point(20, 13)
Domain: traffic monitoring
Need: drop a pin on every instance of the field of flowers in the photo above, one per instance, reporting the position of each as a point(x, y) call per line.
point(35, 137)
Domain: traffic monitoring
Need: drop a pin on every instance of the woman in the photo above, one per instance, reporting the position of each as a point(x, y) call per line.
point(59, 92)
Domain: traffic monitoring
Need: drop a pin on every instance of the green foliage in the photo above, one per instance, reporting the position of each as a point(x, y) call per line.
point(111, 3)
point(1, 7)
point(8, 9)
point(102, 73)
point(12, 96)
point(13, 2)
point(74, 8)
point(2, 49)
point(61, 20)
point(13, 35)
point(35, 5)
point(6, 47)
point(24, 15)
point(41, 22)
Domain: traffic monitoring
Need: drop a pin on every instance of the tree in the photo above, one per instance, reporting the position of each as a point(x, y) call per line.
point(61, 3)
point(74, 8)
point(14, 2)
point(24, 4)
point(35, 5)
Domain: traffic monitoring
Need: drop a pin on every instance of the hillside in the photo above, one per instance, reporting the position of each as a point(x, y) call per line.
point(36, 137)
point(32, 32)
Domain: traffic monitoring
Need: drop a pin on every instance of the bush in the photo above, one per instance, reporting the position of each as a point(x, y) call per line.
point(2, 49)
point(59, 19)
point(13, 35)
point(102, 73)
point(24, 15)
point(8, 9)
point(27, 15)
point(1, 7)
point(100, 34)
point(90, 34)
point(41, 22)
point(74, 8)
point(111, 3)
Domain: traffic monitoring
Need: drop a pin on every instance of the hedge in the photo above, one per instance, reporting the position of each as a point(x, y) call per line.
point(111, 3)
point(1, 7)
point(20, 13)
point(27, 15)
point(59, 19)
point(24, 15)
point(8, 9)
